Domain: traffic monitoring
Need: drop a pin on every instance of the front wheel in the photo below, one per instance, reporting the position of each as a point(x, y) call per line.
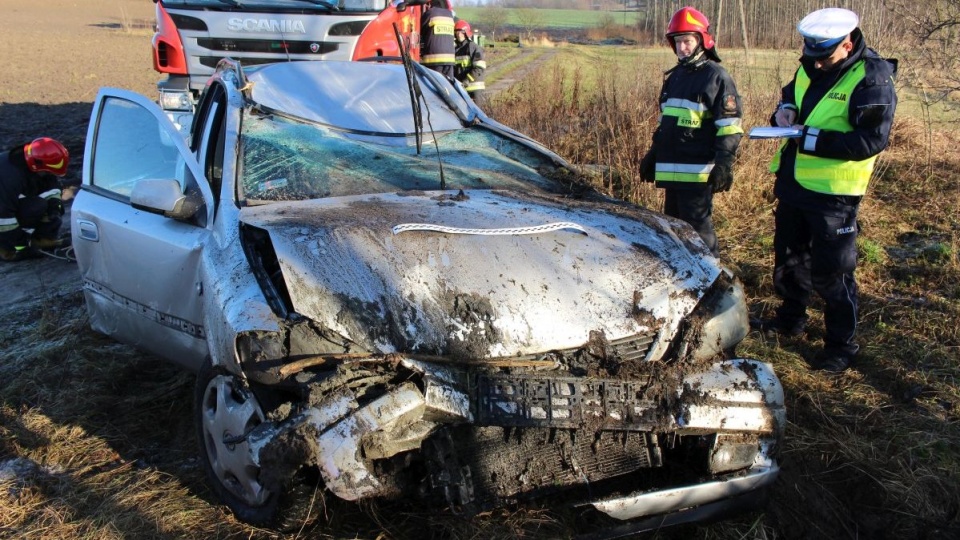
point(225, 412)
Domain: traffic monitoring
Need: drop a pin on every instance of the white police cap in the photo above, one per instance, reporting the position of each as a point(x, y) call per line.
point(824, 29)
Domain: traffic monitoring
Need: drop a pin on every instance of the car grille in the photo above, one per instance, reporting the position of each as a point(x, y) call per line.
point(633, 348)
point(506, 462)
point(565, 402)
point(572, 402)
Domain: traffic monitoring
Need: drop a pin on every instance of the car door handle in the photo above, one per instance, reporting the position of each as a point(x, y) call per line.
point(88, 230)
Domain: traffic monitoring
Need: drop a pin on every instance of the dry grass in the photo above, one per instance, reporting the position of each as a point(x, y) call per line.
point(874, 453)
point(96, 440)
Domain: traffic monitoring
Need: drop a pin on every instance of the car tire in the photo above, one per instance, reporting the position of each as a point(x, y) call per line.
point(224, 407)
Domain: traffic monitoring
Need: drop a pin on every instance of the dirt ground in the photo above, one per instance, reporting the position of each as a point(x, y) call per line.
point(56, 54)
point(54, 57)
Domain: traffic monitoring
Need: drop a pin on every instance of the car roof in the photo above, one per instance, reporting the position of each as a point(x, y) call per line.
point(358, 96)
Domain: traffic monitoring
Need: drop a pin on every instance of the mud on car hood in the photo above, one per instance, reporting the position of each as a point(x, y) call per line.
point(482, 273)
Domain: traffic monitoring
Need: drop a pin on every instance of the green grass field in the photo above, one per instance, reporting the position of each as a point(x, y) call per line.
point(558, 18)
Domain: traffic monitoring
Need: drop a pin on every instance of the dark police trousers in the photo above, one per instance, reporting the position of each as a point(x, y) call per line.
point(818, 252)
point(695, 206)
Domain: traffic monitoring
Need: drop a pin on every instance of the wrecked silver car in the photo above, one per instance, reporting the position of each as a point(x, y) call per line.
point(389, 294)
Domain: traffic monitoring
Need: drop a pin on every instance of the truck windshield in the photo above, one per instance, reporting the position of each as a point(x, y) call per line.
point(350, 6)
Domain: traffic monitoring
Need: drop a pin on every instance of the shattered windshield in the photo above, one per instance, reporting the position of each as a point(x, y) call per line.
point(286, 160)
point(352, 6)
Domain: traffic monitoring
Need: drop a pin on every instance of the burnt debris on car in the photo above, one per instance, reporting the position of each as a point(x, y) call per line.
point(466, 323)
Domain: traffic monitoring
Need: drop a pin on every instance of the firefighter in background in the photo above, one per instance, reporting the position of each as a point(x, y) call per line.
point(470, 62)
point(30, 199)
point(843, 99)
point(437, 50)
point(695, 143)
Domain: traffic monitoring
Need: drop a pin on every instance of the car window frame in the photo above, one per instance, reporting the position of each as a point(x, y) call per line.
point(164, 123)
point(208, 140)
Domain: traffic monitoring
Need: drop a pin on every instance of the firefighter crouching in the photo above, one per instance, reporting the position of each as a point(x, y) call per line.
point(470, 62)
point(30, 199)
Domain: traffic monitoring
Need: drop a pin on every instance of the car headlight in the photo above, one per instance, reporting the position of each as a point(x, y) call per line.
point(720, 322)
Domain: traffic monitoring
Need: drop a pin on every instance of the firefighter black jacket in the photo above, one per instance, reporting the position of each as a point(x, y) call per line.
point(700, 121)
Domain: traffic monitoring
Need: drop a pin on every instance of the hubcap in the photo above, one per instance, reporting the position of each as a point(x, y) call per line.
point(229, 411)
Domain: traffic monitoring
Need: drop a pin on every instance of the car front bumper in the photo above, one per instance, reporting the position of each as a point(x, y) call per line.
point(734, 411)
point(689, 497)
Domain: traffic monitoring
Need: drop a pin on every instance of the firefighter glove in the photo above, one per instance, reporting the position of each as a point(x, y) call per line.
point(721, 176)
point(54, 207)
point(648, 166)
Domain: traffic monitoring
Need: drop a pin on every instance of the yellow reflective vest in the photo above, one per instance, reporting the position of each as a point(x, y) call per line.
point(828, 175)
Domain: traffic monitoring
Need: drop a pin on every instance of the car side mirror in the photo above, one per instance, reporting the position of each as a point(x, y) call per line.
point(401, 7)
point(164, 197)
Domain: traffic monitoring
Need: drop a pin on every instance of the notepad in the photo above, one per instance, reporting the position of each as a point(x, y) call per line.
point(775, 132)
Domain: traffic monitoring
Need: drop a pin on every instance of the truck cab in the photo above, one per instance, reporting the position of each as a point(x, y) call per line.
point(194, 35)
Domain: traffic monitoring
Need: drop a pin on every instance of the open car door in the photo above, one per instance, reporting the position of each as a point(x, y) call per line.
point(139, 224)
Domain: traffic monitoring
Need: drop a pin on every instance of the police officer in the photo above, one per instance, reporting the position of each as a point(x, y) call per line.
point(695, 143)
point(437, 50)
point(30, 198)
point(843, 99)
point(470, 62)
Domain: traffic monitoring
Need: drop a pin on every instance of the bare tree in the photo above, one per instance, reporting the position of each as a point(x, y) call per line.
point(530, 20)
point(933, 31)
point(493, 18)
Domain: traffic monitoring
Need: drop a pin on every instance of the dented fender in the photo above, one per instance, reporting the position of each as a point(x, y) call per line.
point(341, 437)
point(740, 395)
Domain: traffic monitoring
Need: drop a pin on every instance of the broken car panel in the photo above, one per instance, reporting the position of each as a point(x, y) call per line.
point(468, 323)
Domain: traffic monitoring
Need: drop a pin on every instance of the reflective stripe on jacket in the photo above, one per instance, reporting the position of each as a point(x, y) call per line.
point(18, 186)
point(436, 37)
point(683, 172)
point(470, 66)
point(701, 116)
point(827, 175)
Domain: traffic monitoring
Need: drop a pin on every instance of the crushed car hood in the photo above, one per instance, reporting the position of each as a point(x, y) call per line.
point(483, 274)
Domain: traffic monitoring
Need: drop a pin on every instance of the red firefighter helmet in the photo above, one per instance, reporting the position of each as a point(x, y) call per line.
point(46, 155)
point(465, 26)
point(688, 20)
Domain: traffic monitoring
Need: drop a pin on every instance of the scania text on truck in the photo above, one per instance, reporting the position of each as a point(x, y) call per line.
point(193, 35)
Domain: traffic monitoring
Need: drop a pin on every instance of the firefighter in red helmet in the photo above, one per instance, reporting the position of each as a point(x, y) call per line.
point(470, 62)
point(31, 209)
point(695, 143)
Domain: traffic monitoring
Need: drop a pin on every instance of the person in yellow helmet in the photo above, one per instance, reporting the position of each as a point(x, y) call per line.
point(700, 127)
point(842, 101)
point(31, 209)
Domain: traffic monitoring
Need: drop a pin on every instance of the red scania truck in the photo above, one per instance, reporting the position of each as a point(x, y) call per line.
point(193, 35)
